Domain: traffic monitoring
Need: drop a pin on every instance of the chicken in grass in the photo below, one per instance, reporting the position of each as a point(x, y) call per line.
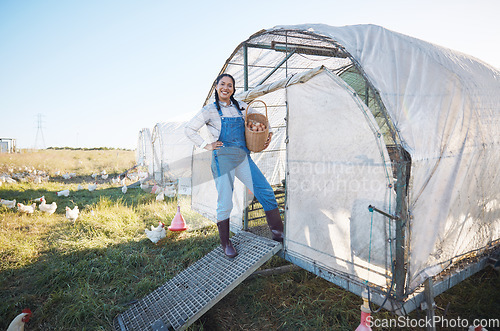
point(63, 193)
point(49, 209)
point(17, 323)
point(8, 203)
point(26, 209)
point(39, 199)
point(72, 214)
point(156, 234)
point(92, 187)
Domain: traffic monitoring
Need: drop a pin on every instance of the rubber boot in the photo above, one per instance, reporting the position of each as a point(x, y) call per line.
point(227, 246)
point(275, 224)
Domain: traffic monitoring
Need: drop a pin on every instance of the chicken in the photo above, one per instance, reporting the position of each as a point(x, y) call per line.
point(66, 176)
point(170, 191)
point(40, 199)
point(17, 323)
point(104, 176)
point(160, 197)
point(124, 189)
point(133, 177)
point(156, 234)
point(8, 203)
point(115, 180)
point(92, 187)
point(49, 209)
point(145, 187)
point(72, 214)
point(63, 193)
point(80, 187)
point(26, 209)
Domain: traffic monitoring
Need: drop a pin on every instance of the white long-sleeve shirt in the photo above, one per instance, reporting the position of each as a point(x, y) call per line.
point(210, 117)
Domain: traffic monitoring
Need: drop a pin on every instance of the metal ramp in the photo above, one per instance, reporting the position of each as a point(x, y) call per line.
point(187, 296)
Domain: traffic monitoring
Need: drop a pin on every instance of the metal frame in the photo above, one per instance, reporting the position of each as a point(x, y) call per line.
point(401, 302)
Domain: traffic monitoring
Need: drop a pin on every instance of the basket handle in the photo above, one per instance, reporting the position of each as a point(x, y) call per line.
point(248, 106)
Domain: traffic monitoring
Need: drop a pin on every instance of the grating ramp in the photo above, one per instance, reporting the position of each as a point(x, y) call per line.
point(187, 296)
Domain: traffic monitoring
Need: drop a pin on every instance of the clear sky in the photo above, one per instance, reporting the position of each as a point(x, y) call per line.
point(100, 70)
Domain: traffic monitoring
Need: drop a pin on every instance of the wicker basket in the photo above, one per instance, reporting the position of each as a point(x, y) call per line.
point(256, 140)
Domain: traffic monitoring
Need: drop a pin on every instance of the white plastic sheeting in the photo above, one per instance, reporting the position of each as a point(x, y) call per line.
point(172, 151)
point(338, 165)
point(443, 106)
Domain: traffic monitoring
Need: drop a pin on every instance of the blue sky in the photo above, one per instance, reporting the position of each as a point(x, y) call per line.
point(100, 70)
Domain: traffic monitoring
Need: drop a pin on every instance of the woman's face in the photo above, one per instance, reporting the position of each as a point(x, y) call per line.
point(225, 88)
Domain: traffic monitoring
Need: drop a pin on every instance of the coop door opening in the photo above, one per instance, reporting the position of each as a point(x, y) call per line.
point(337, 166)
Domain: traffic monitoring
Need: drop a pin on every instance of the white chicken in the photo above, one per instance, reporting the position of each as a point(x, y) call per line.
point(64, 193)
point(145, 187)
point(105, 176)
point(66, 176)
point(115, 180)
point(72, 214)
point(17, 323)
point(160, 197)
point(49, 209)
point(26, 209)
point(133, 177)
point(156, 234)
point(8, 203)
point(170, 191)
point(92, 187)
point(124, 189)
point(40, 199)
point(80, 187)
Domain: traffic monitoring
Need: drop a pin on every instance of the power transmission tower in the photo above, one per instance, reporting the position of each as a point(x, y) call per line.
point(39, 134)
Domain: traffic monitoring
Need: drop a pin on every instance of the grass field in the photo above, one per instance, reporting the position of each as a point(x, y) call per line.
point(79, 276)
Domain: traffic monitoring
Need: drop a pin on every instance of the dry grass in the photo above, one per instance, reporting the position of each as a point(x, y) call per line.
point(81, 162)
point(80, 276)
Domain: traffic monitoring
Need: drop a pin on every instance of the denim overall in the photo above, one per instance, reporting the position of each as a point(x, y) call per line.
point(233, 159)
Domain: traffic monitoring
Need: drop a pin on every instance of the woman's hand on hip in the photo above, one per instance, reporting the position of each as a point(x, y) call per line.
point(268, 141)
point(214, 145)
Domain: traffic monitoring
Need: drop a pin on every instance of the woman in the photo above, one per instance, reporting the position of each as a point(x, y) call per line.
point(230, 157)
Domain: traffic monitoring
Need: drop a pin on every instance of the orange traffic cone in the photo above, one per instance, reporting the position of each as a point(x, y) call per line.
point(178, 223)
point(153, 190)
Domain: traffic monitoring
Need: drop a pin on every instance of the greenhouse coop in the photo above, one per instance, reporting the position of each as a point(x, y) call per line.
point(386, 148)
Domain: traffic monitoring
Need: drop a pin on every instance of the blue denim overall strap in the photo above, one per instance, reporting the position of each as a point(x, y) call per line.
point(232, 131)
point(233, 159)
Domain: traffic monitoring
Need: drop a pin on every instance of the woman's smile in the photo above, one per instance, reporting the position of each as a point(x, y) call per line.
point(225, 89)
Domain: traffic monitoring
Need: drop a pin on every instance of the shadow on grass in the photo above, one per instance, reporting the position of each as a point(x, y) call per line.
point(68, 287)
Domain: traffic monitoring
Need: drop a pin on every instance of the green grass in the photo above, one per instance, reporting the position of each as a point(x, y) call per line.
point(79, 276)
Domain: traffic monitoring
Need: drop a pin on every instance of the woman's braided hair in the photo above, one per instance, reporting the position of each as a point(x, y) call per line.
point(233, 100)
